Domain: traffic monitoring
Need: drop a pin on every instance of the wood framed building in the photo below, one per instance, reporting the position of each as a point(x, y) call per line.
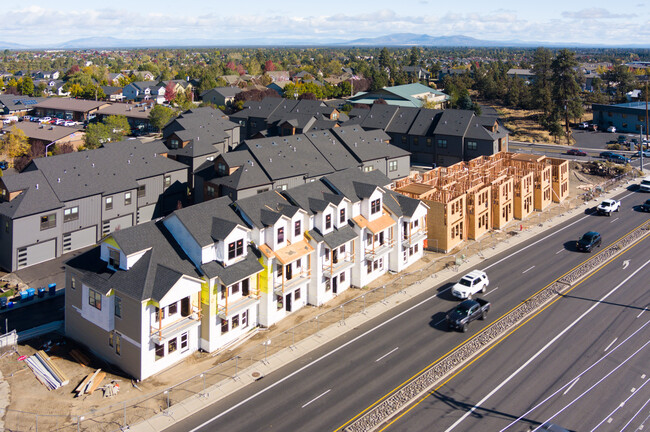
point(468, 199)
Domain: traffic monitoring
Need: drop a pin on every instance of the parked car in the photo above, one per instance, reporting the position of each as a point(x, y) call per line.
point(622, 139)
point(646, 153)
point(466, 312)
point(608, 206)
point(34, 119)
point(592, 127)
point(645, 206)
point(607, 154)
point(59, 122)
point(471, 283)
point(46, 119)
point(588, 241)
point(619, 159)
point(583, 125)
point(611, 129)
point(576, 152)
point(645, 185)
point(69, 123)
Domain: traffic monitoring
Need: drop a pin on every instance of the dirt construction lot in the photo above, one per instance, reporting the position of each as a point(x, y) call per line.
point(58, 410)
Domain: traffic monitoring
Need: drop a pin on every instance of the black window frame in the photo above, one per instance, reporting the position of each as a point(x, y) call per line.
point(48, 221)
point(73, 214)
point(375, 206)
point(95, 299)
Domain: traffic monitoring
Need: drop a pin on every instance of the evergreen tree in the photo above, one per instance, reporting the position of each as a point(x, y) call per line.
point(566, 90)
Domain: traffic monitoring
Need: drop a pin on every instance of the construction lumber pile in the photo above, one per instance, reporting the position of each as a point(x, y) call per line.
point(90, 383)
point(46, 371)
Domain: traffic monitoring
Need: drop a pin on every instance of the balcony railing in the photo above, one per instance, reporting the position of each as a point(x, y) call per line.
point(160, 334)
point(227, 308)
point(330, 268)
point(280, 285)
point(413, 238)
point(376, 249)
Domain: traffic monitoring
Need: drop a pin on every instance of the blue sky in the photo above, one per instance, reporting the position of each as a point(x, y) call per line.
point(598, 21)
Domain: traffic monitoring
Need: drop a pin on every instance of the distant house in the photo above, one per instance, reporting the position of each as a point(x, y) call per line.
point(54, 74)
point(221, 96)
point(144, 75)
point(144, 90)
point(278, 76)
point(114, 78)
point(408, 95)
point(113, 94)
point(526, 74)
point(417, 73)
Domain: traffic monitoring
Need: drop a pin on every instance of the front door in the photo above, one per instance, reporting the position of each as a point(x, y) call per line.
point(335, 285)
point(288, 302)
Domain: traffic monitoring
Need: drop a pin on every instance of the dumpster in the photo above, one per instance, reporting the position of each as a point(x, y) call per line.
point(24, 295)
point(31, 292)
point(41, 292)
point(3, 302)
point(51, 288)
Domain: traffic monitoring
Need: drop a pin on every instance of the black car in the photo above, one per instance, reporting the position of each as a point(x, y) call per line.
point(645, 206)
point(589, 241)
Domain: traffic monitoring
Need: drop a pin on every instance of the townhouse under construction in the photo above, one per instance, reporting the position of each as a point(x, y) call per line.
point(468, 199)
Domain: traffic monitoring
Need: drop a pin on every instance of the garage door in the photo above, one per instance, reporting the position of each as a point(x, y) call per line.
point(78, 239)
point(37, 253)
point(145, 213)
point(117, 224)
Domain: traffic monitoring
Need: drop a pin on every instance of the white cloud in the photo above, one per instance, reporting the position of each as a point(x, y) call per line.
point(594, 13)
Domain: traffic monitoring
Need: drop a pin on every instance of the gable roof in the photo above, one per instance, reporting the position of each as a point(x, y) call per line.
point(453, 122)
point(368, 145)
point(151, 277)
point(37, 196)
point(350, 182)
point(265, 209)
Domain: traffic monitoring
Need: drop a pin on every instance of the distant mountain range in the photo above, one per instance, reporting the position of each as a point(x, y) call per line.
point(391, 40)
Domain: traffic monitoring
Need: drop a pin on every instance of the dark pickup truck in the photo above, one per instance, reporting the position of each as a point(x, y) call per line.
point(466, 312)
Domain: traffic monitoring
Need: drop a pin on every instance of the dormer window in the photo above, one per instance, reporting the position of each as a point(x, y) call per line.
point(328, 221)
point(342, 216)
point(375, 206)
point(236, 249)
point(297, 229)
point(221, 168)
point(281, 235)
point(114, 258)
point(173, 144)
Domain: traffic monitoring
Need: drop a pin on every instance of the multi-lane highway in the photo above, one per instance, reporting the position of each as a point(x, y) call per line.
point(336, 383)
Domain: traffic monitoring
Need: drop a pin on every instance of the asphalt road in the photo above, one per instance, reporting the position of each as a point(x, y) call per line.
point(582, 363)
point(338, 381)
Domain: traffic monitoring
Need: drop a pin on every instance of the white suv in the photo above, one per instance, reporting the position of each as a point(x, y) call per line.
point(645, 185)
point(471, 283)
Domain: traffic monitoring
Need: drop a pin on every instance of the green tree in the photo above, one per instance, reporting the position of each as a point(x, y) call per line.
point(113, 128)
point(160, 115)
point(566, 89)
point(542, 85)
point(414, 56)
point(384, 58)
point(26, 87)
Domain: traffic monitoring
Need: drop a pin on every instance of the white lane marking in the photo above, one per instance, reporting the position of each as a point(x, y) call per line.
point(323, 357)
point(491, 290)
point(561, 250)
point(596, 363)
point(625, 264)
point(634, 416)
point(317, 397)
point(534, 243)
point(571, 386)
point(387, 354)
point(614, 220)
point(544, 348)
point(611, 343)
point(620, 406)
point(527, 270)
point(639, 315)
point(545, 237)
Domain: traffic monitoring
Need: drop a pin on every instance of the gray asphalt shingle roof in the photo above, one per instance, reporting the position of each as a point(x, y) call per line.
point(266, 208)
point(234, 272)
point(453, 122)
point(344, 182)
point(368, 145)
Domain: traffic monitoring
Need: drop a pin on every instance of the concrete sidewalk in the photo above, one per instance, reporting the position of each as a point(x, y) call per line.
point(189, 406)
